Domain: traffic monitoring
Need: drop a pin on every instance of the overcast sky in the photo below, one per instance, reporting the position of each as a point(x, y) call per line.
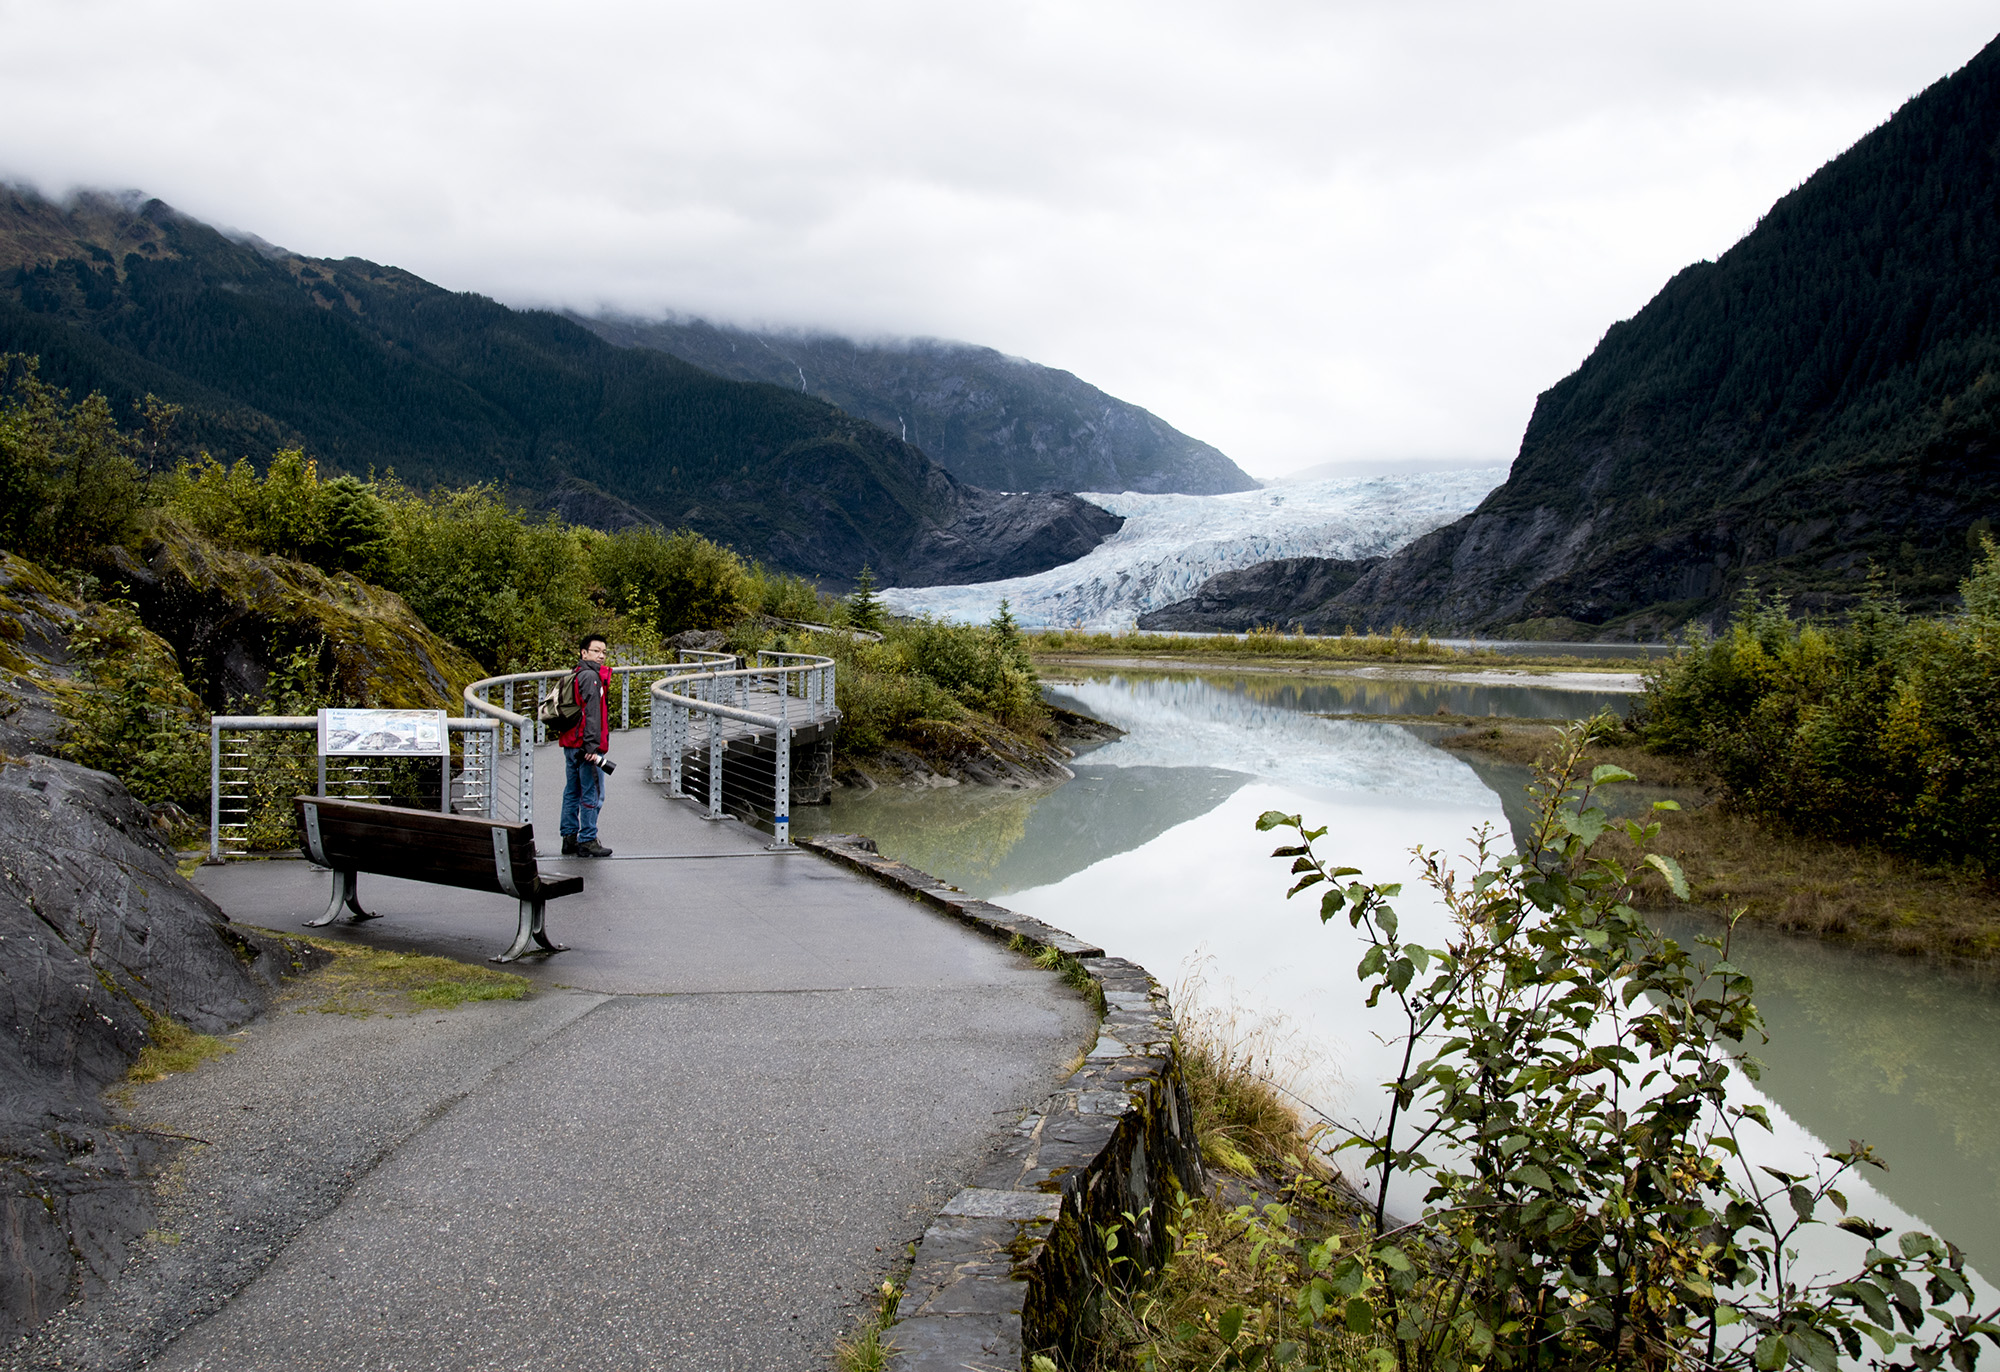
point(1306, 232)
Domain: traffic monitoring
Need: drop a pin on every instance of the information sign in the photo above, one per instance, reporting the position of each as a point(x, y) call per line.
point(383, 733)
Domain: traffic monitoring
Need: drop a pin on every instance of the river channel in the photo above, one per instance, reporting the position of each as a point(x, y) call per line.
point(1152, 851)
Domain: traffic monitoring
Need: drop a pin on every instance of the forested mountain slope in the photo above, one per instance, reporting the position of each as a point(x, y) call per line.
point(1823, 397)
point(371, 367)
point(989, 419)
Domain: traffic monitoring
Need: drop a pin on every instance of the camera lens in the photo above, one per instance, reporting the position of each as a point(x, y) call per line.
point(606, 766)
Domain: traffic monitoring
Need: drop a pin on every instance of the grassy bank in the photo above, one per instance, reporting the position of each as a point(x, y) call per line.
point(1269, 647)
point(1859, 894)
point(1242, 1256)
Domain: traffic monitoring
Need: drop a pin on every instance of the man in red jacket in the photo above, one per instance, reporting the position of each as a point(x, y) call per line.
point(583, 748)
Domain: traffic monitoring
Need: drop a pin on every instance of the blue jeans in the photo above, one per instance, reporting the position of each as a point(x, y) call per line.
point(583, 796)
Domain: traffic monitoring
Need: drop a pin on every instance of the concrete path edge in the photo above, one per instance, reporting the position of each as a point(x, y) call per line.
point(1016, 1263)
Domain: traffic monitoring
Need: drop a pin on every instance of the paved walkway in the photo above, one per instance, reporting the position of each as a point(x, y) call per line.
point(750, 1083)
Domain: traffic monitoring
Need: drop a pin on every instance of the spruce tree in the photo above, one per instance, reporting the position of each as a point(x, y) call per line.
point(864, 607)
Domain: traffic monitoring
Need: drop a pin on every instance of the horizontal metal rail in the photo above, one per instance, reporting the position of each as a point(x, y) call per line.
point(690, 708)
point(519, 732)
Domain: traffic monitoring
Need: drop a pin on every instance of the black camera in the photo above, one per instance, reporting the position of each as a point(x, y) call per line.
point(606, 766)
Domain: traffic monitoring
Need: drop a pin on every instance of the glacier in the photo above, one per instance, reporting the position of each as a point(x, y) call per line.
point(1170, 544)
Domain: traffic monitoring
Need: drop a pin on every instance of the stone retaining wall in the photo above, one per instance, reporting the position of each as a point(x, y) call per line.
point(1015, 1262)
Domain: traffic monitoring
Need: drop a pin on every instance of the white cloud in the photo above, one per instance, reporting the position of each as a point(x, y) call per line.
point(1301, 231)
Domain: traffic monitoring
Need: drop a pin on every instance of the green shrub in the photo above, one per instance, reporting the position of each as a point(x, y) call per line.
point(133, 715)
point(1883, 729)
point(1563, 1104)
point(784, 597)
point(677, 581)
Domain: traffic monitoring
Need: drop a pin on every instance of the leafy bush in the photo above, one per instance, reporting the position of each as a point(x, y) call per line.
point(787, 597)
point(342, 525)
point(1885, 728)
point(1563, 1099)
point(507, 588)
point(133, 715)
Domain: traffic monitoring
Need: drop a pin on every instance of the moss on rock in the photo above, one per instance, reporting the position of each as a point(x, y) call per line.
point(235, 619)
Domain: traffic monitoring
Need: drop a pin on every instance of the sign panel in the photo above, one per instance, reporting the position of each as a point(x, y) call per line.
point(383, 733)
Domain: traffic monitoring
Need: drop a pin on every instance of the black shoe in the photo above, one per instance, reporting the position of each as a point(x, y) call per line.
point(569, 845)
point(590, 847)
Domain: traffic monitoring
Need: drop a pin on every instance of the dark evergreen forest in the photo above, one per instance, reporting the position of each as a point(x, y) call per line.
point(371, 368)
point(1824, 394)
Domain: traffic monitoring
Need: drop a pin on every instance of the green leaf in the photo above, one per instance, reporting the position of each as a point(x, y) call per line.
point(1770, 1355)
point(1394, 1259)
point(1231, 1323)
point(1309, 879)
point(1276, 819)
point(1606, 772)
point(1360, 1316)
point(1531, 1175)
point(1330, 904)
point(1671, 870)
point(1666, 805)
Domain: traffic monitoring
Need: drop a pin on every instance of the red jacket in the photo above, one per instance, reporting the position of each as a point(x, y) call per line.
point(593, 691)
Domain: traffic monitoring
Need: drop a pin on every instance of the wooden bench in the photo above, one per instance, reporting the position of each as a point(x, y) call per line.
point(351, 837)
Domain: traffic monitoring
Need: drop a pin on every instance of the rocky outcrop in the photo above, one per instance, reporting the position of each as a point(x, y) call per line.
point(993, 535)
point(101, 942)
point(1286, 593)
point(992, 420)
point(37, 616)
point(233, 618)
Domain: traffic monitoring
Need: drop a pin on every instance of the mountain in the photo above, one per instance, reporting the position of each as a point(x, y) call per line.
point(1284, 593)
point(987, 418)
point(1822, 398)
point(371, 367)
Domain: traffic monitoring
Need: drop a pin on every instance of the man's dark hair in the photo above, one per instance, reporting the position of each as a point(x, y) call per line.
point(589, 639)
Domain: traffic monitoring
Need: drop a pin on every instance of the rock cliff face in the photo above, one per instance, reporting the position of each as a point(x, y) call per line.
point(1823, 398)
point(988, 419)
point(1288, 593)
point(231, 617)
point(101, 939)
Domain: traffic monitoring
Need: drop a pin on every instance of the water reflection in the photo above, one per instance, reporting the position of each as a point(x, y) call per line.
point(1347, 695)
point(1153, 852)
point(998, 844)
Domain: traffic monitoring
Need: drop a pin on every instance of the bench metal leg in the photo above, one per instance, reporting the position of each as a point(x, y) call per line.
point(346, 891)
point(530, 932)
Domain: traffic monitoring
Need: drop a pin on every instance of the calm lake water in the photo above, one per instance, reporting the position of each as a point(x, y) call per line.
point(1153, 852)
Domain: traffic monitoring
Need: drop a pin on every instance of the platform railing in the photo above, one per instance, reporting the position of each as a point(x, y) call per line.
point(241, 777)
point(509, 766)
point(692, 713)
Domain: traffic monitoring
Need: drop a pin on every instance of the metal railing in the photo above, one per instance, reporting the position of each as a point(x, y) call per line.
point(691, 717)
point(244, 779)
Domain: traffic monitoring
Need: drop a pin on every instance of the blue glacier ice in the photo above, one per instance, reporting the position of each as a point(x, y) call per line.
point(1170, 544)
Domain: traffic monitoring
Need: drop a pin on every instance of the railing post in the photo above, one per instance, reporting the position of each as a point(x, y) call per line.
point(781, 813)
point(524, 803)
point(714, 767)
point(214, 791)
point(656, 743)
point(680, 722)
point(625, 701)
